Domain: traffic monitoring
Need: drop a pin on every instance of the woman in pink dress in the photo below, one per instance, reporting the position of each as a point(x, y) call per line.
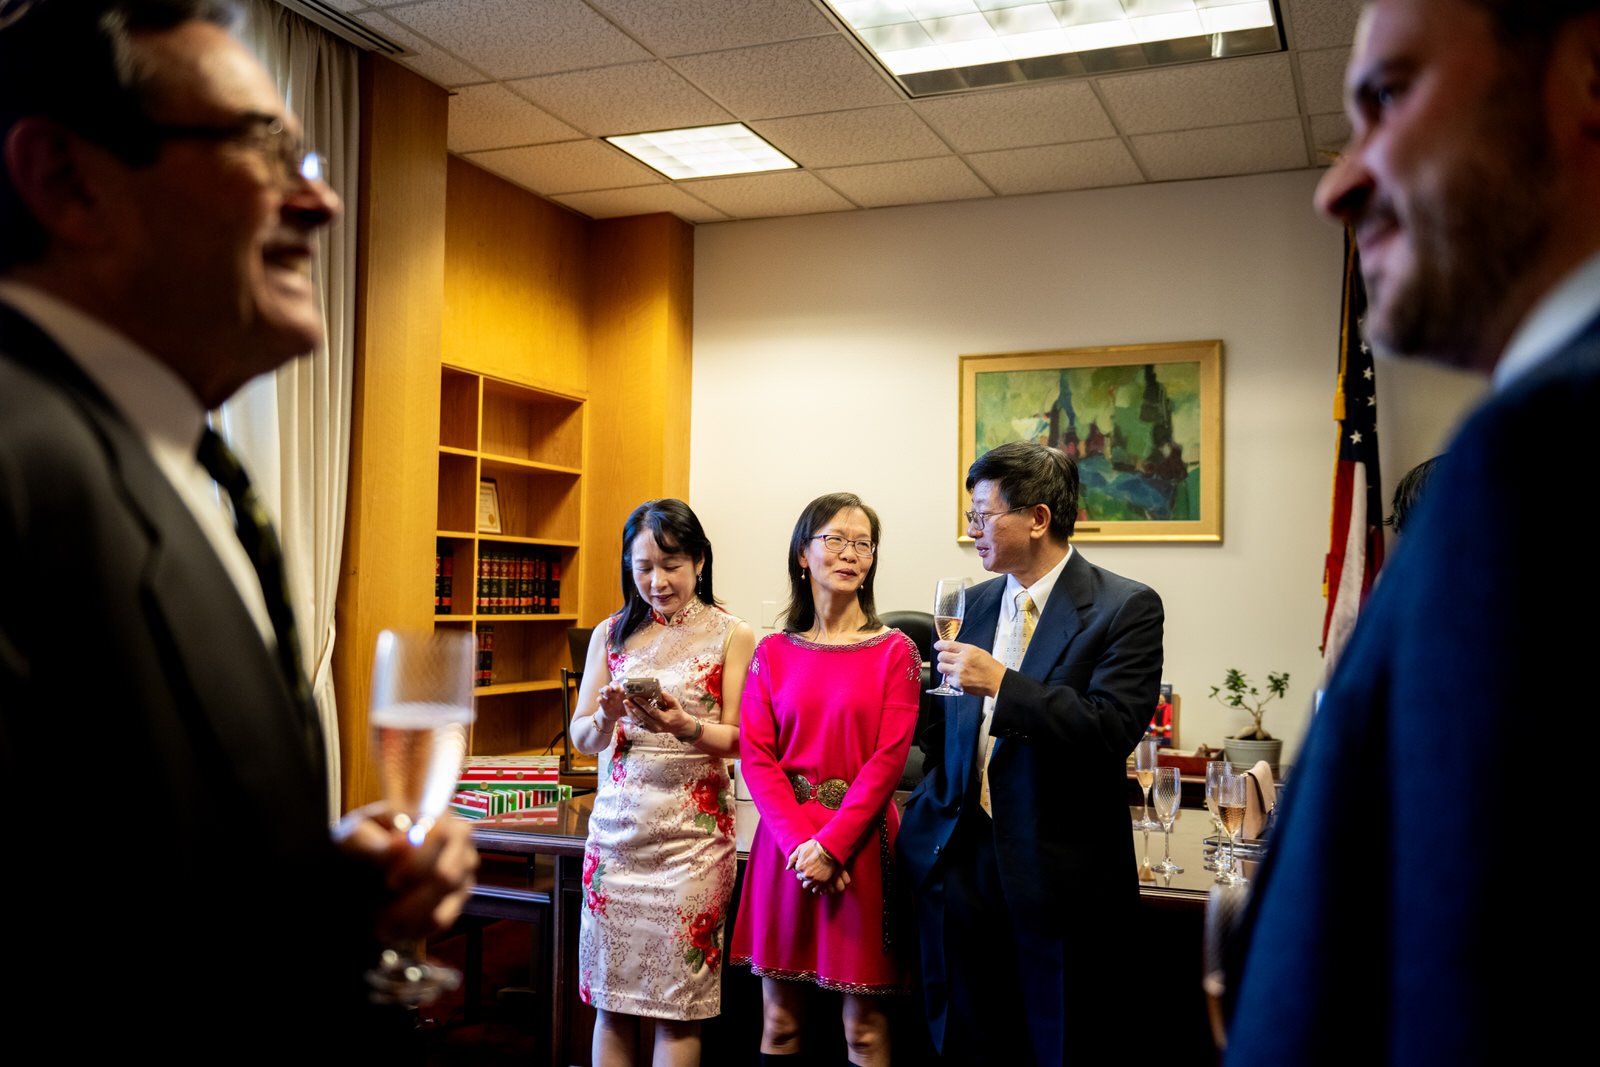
point(658, 867)
point(825, 725)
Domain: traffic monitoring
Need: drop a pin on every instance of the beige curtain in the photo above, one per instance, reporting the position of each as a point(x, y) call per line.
point(293, 427)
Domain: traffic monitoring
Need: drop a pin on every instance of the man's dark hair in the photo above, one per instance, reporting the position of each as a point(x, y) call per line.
point(72, 61)
point(1528, 28)
point(675, 528)
point(1408, 492)
point(1030, 474)
point(800, 614)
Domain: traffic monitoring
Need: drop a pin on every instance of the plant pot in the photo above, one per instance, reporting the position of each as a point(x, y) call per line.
point(1245, 752)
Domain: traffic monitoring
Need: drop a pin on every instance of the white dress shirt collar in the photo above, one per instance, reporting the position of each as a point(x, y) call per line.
point(1552, 323)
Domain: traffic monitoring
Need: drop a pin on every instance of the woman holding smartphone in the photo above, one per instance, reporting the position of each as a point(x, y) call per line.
point(659, 701)
point(827, 718)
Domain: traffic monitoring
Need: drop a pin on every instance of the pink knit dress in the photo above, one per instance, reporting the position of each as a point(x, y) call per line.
point(825, 712)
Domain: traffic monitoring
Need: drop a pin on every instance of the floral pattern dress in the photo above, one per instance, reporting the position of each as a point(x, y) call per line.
point(658, 867)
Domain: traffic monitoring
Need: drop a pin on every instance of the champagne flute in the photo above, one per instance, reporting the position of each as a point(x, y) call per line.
point(1230, 806)
point(421, 708)
point(1145, 755)
point(1215, 769)
point(1168, 794)
point(949, 605)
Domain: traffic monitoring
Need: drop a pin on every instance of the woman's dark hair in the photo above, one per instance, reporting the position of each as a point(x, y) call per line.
point(675, 529)
point(800, 614)
point(1408, 493)
point(1028, 474)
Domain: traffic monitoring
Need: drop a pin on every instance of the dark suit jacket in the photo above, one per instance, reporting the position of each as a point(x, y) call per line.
point(1064, 724)
point(169, 868)
point(1416, 905)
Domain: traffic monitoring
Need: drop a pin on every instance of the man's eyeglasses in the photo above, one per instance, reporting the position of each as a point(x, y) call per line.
point(263, 133)
point(835, 544)
point(980, 519)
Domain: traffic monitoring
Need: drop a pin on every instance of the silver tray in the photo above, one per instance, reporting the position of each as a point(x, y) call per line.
point(1248, 848)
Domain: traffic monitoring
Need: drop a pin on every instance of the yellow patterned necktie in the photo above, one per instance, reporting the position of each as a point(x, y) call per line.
point(1021, 634)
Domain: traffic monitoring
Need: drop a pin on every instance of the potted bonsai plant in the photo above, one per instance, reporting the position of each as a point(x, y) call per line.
point(1254, 743)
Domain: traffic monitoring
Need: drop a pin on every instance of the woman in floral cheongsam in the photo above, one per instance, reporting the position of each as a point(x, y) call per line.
point(658, 867)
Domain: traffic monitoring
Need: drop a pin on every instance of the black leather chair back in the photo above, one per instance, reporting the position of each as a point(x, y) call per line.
point(918, 625)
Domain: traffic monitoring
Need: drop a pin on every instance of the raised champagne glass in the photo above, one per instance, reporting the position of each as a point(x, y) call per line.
point(1230, 808)
point(1145, 755)
point(949, 606)
point(421, 708)
point(1168, 789)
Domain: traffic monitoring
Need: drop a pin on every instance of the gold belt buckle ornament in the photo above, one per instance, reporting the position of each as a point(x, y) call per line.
point(802, 788)
point(830, 794)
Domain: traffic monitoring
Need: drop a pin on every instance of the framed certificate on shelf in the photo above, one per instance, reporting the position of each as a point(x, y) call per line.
point(488, 506)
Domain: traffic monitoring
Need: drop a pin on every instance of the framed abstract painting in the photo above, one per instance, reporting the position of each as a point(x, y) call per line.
point(1144, 423)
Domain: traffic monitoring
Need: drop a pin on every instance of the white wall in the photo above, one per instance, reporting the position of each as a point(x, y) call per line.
point(826, 354)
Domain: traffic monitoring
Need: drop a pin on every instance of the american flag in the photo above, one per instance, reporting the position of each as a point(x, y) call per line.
point(1355, 539)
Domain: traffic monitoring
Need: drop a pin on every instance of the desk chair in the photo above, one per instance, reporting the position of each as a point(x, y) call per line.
point(918, 625)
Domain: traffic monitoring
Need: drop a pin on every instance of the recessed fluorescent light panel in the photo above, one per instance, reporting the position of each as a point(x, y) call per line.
point(946, 46)
point(704, 151)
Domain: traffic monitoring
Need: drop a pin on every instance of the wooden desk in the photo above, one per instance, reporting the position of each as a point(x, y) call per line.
point(1172, 908)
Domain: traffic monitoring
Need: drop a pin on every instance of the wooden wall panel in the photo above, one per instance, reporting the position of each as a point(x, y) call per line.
point(388, 566)
point(515, 285)
point(642, 286)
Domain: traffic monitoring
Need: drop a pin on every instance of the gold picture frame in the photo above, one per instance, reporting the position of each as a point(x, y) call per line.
point(1143, 421)
point(488, 506)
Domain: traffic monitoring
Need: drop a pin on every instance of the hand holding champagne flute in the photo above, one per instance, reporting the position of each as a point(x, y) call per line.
point(421, 708)
point(949, 606)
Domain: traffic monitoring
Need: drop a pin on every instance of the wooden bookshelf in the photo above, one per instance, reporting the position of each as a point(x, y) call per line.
point(530, 441)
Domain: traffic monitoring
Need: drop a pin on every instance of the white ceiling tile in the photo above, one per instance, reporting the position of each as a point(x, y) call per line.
point(1201, 94)
point(1322, 23)
point(679, 27)
point(570, 167)
point(1221, 151)
point(762, 195)
point(915, 181)
point(1048, 168)
point(431, 61)
point(514, 38)
point(633, 98)
point(793, 78)
point(1016, 118)
point(644, 200)
point(1322, 79)
point(349, 5)
point(491, 116)
point(1329, 134)
point(845, 138)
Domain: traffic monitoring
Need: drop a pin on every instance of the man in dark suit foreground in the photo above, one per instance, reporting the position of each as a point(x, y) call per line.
point(1018, 842)
point(1411, 910)
point(171, 881)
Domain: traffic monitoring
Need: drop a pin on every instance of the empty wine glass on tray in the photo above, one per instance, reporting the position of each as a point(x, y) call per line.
point(1215, 769)
point(421, 708)
point(949, 606)
point(1145, 755)
point(1168, 787)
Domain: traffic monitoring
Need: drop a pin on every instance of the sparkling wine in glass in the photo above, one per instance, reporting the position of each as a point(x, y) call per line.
point(421, 708)
point(1145, 755)
point(1230, 808)
point(1215, 769)
point(1168, 793)
point(949, 605)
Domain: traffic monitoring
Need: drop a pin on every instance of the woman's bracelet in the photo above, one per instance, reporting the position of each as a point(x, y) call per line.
point(694, 735)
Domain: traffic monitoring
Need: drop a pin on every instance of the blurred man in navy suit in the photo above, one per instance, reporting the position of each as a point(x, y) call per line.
point(1406, 913)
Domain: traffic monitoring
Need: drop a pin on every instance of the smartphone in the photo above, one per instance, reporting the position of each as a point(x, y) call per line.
point(642, 690)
